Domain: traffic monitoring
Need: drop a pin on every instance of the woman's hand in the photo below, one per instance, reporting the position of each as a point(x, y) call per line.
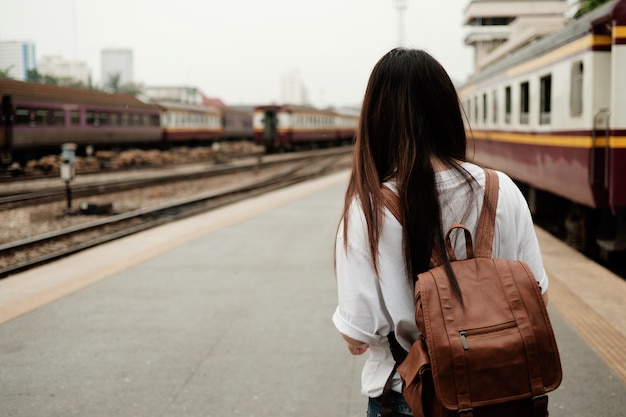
point(355, 347)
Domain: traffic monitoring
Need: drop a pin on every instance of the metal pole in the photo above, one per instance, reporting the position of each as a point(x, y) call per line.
point(401, 6)
point(68, 193)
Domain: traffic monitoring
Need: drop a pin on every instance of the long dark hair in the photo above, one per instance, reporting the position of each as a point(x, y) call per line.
point(411, 115)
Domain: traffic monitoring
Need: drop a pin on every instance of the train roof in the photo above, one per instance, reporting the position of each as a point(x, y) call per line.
point(573, 30)
point(176, 105)
point(68, 95)
point(297, 108)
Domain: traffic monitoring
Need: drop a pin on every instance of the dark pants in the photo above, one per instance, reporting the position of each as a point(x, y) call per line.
point(399, 406)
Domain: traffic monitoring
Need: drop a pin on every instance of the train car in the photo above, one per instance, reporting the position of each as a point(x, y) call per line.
point(287, 127)
point(190, 123)
point(552, 115)
point(38, 118)
point(346, 122)
point(237, 122)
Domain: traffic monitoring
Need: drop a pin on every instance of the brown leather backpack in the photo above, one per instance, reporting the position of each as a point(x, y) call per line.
point(491, 354)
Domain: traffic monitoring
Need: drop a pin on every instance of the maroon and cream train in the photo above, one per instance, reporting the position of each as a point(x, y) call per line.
point(36, 119)
point(553, 116)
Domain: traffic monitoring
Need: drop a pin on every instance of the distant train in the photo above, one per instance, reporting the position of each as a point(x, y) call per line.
point(553, 116)
point(36, 119)
point(287, 127)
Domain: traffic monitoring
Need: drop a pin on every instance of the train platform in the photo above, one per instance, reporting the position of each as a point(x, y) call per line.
point(229, 314)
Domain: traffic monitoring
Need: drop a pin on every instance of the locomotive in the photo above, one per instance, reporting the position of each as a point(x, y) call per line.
point(552, 115)
point(286, 127)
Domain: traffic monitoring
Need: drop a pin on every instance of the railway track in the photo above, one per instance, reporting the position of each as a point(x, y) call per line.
point(103, 165)
point(99, 186)
point(91, 189)
point(33, 251)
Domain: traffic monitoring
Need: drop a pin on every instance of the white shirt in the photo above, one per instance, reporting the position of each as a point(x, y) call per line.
point(369, 306)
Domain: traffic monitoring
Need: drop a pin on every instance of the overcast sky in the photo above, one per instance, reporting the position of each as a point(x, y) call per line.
point(238, 50)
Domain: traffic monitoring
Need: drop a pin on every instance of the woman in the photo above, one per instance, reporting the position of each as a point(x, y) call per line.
point(411, 138)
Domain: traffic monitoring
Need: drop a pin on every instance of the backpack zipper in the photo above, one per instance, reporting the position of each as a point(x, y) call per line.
point(482, 330)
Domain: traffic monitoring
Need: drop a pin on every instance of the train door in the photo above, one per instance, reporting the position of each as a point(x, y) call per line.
point(599, 153)
point(6, 130)
point(596, 73)
point(615, 175)
point(614, 131)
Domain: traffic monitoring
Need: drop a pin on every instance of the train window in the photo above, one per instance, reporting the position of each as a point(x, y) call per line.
point(41, 117)
point(507, 105)
point(494, 106)
point(95, 118)
point(75, 117)
point(524, 116)
point(22, 116)
point(58, 118)
point(114, 119)
point(546, 99)
point(485, 108)
point(475, 109)
point(576, 89)
point(136, 119)
point(125, 119)
point(90, 118)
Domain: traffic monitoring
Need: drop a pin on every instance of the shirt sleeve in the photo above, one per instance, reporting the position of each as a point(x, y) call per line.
point(360, 313)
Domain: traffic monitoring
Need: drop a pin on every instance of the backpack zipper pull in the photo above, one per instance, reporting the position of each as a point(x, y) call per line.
point(464, 339)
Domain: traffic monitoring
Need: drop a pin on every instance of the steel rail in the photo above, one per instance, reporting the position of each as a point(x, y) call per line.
point(22, 199)
point(131, 222)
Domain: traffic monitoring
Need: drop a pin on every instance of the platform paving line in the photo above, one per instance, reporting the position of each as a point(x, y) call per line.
point(589, 298)
point(600, 289)
point(29, 290)
point(598, 334)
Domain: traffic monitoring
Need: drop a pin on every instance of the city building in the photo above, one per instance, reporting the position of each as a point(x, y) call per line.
point(117, 63)
point(498, 27)
point(67, 72)
point(292, 89)
point(181, 94)
point(17, 58)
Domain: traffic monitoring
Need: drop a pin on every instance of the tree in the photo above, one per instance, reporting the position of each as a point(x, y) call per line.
point(588, 5)
point(4, 73)
point(131, 88)
point(33, 75)
point(113, 82)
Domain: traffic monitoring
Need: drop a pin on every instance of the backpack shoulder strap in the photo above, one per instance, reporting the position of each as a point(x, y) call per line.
point(390, 199)
point(486, 223)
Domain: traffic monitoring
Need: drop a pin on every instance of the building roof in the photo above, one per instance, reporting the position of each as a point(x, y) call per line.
point(47, 93)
